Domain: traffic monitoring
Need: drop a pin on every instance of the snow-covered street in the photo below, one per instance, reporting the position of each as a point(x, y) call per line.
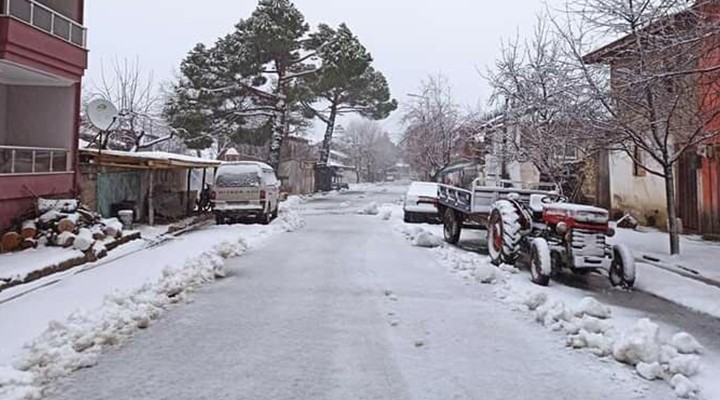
point(347, 308)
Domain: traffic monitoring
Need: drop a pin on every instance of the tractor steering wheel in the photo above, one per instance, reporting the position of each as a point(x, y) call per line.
point(555, 198)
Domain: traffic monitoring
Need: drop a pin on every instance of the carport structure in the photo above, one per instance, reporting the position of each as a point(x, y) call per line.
point(154, 183)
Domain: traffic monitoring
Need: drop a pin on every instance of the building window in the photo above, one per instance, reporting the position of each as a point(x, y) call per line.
point(638, 162)
point(30, 160)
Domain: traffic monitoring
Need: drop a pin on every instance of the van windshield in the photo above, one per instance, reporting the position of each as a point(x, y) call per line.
point(238, 176)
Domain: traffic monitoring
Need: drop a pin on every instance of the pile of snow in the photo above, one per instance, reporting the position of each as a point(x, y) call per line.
point(369, 209)
point(590, 306)
point(427, 239)
point(640, 344)
point(387, 211)
point(77, 342)
point(290, 221)
point(588, 325)
point(686, 344)
point(684, 387)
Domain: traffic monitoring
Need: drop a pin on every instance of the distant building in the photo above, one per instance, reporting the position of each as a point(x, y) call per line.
point(231, 155)
point(43, 57)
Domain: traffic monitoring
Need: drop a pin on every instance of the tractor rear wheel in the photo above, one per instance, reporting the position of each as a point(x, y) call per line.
point(504, 233)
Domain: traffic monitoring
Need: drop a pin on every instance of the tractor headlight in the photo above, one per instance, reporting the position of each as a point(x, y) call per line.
point(561, 228)
point(610, 232)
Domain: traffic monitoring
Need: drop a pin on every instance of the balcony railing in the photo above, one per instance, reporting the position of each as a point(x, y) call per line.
point(33, 160)
point(46, 19)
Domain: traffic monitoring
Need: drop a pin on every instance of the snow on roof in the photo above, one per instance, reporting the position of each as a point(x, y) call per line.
point(232, 152)
point(158, 159)
point(251, 163)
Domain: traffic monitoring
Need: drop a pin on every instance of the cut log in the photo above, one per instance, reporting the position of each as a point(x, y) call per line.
point(65, 239)
point(113, 227)
point(69, 223)
point(97, 232)
point(87, 216)
point(29, 229)
point(28, 243)
point(83, 240)
point(66, 225)
point(10, 241)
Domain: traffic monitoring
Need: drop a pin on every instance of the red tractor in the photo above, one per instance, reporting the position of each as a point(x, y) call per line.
point(549, 235)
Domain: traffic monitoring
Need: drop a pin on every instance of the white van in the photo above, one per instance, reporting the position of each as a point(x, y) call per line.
point(245, 189)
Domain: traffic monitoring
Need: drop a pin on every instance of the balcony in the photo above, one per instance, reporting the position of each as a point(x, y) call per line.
point(46, 19)
point(15, 160)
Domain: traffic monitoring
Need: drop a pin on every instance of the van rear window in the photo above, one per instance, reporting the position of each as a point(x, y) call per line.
point(237, 177)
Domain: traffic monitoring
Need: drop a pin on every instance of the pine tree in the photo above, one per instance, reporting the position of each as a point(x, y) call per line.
point(244, 88)
point(345, 82)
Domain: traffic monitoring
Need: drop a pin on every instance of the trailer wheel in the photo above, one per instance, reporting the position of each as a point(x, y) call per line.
point(504, 233)
point(622, 269)
point(452, 226)
point(540, 262)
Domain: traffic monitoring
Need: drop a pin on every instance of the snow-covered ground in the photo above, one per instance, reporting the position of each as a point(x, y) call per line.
point(61, 323)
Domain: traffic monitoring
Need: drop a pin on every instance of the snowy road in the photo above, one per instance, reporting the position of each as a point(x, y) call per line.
point(347, 309)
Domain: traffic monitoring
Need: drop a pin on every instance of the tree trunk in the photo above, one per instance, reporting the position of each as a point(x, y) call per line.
point(673, 228)
point(323, 175)
point(327, 140)
point(277, 136)
point(279, 121)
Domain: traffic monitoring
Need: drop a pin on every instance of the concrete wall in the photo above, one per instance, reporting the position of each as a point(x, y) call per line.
point(641, 196)
point(3, 114)
point(37, 116)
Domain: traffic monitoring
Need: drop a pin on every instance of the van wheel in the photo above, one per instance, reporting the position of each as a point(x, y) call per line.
point(265, 218)
point(219, 219)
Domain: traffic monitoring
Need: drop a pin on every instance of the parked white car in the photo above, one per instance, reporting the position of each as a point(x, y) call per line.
point(420, 203)
point(245, 190)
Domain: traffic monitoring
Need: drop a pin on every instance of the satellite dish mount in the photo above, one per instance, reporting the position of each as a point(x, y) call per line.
point(102, 114)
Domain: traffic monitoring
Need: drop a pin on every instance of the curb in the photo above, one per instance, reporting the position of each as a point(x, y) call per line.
point(678, 270)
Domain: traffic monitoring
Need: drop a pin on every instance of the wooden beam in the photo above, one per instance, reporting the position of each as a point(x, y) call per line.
point(151, 206)
point(188, 206)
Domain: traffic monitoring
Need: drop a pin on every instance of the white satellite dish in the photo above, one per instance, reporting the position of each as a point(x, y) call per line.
point(102, 114)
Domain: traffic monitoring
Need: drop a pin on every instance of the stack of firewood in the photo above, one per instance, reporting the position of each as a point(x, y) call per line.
point(62, 223)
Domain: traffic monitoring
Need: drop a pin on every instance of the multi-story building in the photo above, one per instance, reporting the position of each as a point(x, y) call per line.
point(43, 56)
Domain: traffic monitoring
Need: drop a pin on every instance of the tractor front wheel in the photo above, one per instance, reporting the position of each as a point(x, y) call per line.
point(622, 269)
point(540, 262)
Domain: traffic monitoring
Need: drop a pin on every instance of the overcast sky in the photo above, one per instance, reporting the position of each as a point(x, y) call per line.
point(409, 39)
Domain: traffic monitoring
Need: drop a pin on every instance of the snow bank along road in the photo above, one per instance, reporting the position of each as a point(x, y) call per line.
point(346, 309)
